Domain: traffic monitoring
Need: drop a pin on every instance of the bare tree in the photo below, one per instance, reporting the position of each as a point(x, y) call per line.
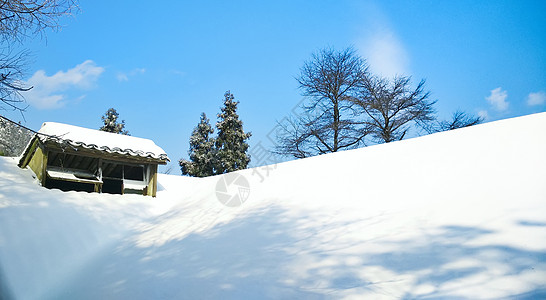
point(392, 108)
point(459, 119)
point(327, 123)
point(20, 19)
point(11, 85)
point(293, 138)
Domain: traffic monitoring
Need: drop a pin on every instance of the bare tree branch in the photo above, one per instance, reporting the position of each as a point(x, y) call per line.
point(20, 19)
point(327, 124)
point(393, 107)
point(459, 119)
point(11, 84)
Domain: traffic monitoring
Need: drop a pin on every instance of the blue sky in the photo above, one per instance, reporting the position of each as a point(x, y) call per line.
point(162, 64)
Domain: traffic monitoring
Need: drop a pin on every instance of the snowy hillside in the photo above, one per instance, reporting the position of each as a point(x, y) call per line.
point(458, 214)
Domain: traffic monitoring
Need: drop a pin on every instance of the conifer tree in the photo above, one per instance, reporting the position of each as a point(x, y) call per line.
point(201, 151)
point(231, 146)
point(110, 120)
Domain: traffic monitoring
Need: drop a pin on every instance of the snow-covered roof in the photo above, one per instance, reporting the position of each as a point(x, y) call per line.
point(100, 140)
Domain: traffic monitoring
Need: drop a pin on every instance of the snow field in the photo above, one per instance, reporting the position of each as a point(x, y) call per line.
point(458, 214)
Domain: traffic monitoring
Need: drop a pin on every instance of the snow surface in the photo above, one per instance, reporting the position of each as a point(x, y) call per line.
point(102, 140)
point(459, 214)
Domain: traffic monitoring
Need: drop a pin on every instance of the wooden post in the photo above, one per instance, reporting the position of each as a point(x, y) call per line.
point(152, 183)
point(122, 179)
point(98, 186)
point(44, 167)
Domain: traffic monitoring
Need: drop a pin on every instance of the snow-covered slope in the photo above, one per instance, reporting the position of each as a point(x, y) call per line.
point(459, 214)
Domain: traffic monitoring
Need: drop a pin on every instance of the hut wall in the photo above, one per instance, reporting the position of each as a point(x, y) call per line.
point(38, 164)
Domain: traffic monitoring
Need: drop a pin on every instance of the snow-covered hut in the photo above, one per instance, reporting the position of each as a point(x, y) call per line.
point(69, 157)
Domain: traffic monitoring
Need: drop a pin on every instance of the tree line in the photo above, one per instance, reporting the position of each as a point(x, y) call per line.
point(348, 107)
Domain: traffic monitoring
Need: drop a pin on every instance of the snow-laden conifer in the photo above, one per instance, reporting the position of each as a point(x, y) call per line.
point(111, 124)
point(231, 145)
point(201, 151)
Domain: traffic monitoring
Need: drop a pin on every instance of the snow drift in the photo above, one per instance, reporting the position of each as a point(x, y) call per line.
point(459, 214)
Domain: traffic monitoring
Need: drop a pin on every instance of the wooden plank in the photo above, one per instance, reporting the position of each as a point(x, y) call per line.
point(27, 156)
point(69, 176)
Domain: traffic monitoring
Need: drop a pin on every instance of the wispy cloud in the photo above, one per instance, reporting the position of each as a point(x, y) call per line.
point(179, 73)
point(49, 92)
point(537, 98)
point(124, 76)
point(385, 53)
point(497, 99)
point(379, 43)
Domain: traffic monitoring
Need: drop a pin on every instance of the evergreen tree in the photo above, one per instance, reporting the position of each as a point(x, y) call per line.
point(201, 151)
point(231, 146)
point(110, 120)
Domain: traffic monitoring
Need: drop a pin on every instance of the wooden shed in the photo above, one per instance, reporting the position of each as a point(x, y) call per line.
point(72, 158)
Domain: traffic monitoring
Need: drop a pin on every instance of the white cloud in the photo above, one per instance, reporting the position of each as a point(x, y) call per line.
point(385, 54)
point(498, 99)
point(124, 76)
point(49, 92)
point(537, 98)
